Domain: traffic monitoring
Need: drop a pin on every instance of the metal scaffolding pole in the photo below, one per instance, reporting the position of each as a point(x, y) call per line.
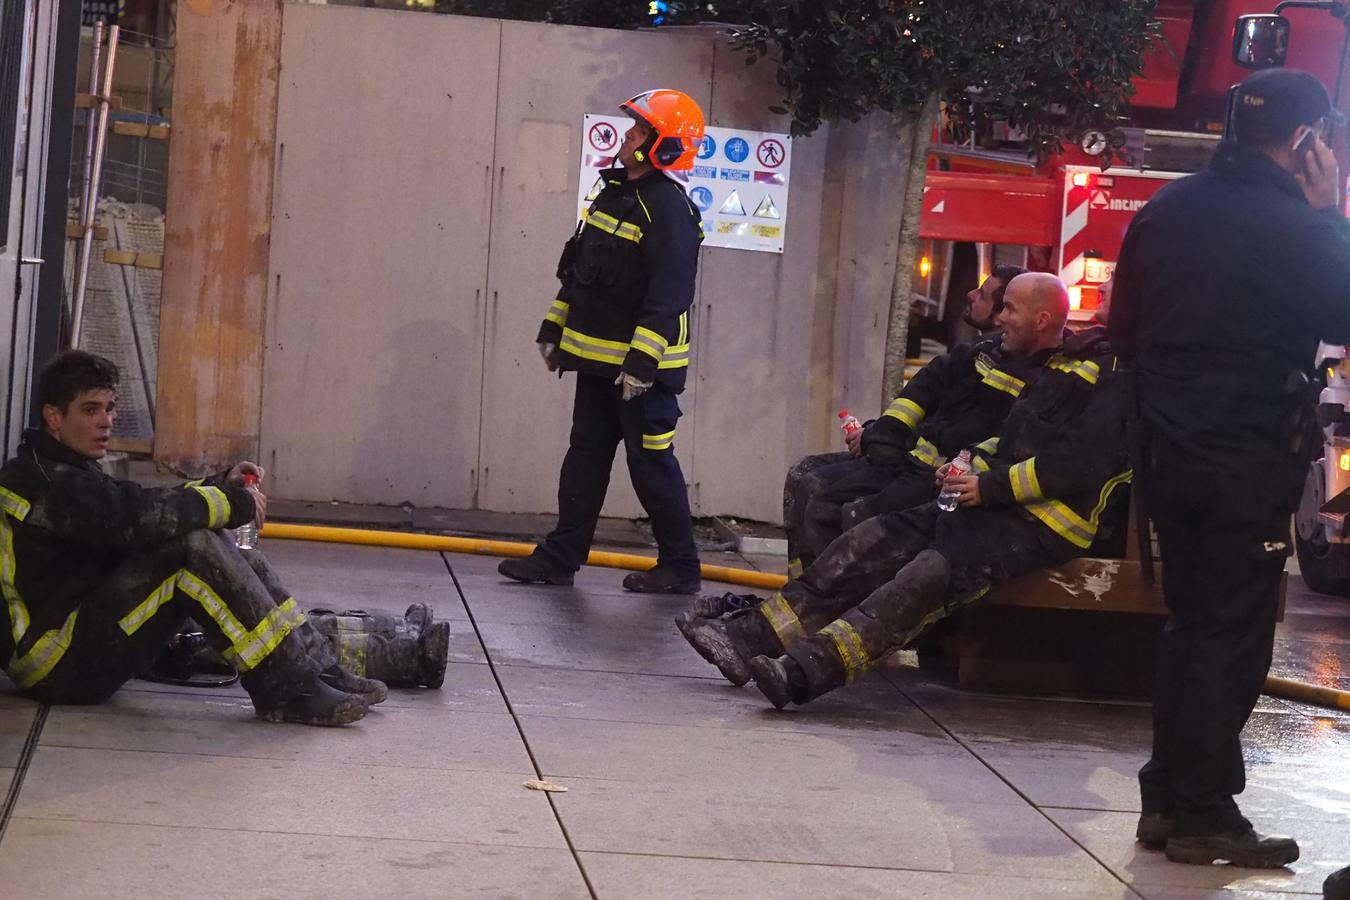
point(94, 168)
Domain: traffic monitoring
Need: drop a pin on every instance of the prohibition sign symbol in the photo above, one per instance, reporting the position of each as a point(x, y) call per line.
point(603, 136)
point(770, 153)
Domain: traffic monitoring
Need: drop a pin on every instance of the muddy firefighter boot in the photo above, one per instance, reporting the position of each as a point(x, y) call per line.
point(401, 651)
point(1243, 848)
point(779, 679)
point(370, 690)
point(434, 654)
point(709, 637)
point(316, 703)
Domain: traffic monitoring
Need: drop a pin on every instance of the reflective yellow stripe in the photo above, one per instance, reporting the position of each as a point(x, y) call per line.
point(132, 621)
point(643, 205)
point(1105, 495)
point(261, 641)
point(649, 342)
point(783, 620)
point(658, 441)
point(610, 225)
point(46, 652)
point(906, 411)
point(1084, 369)
point(675, 357)
point(210, 601)
point(1025, 485)
point(218, 505)
point(557, 313)
point(1063, 521)
point(593, 348)
point(352, 644)
point(196, 482)
point(978, 464)
point(794, 568)
point(684, 328)
point(982, 364)
point(13, 504)
point(850, 646)
point(926, 452)
point(988, 445)
point(1002, 381)
point(9, 568)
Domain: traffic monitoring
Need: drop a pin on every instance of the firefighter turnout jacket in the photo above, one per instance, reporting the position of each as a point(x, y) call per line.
point(627, 282)
point(1062, 450)
point(66, 526)
point(954, 401)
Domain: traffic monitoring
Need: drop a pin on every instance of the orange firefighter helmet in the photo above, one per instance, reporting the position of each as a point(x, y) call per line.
point(676, 123)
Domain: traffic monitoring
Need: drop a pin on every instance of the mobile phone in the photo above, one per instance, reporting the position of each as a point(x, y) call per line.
point(1302, 147)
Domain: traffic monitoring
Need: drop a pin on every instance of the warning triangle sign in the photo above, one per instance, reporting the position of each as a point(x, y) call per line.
point(596, 189)
point(766, 209)
point(732, 206)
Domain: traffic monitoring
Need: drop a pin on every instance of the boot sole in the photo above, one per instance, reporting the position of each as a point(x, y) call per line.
point(735, 672)
point(435, 654)
point(1179, 851)
point(774, 689)
point(551, 580)
point(682, 622)
point(683, 590)
point(343, 714)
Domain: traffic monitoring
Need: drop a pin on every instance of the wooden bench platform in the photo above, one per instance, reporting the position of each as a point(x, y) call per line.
point(1089, 628)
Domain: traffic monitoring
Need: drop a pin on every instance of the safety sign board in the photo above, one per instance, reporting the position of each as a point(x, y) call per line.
point(739, 181)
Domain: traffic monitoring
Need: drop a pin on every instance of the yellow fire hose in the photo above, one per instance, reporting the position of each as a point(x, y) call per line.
point(1275, 686)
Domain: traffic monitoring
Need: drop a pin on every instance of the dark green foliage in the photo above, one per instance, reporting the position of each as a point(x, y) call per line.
point(1048, 67)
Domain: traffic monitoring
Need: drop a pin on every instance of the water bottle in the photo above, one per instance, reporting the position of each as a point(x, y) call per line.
point(849, 424)
point(246, 535)
point(947, 500)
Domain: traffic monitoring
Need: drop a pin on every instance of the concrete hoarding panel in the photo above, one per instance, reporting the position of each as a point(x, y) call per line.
point(551, 76)
point(379, 247)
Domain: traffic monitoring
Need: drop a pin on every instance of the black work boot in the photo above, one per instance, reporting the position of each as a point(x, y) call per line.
point(662, 580)
point(1239, 848)
point(710, 607)
point(316, 704)
point(1337, 885)
point(435, 654)
point(369, 690)
point(1153, 830)
point(535, 569)
point(779, 679)
point(709, 637)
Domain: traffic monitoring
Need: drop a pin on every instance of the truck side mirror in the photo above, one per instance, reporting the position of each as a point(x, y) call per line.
point(1261, 41)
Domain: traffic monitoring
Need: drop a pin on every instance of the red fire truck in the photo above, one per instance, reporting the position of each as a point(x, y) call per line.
point(987, 203)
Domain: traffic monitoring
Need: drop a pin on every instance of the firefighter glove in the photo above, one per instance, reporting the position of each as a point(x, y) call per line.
point(632, 386)
point(550, 354)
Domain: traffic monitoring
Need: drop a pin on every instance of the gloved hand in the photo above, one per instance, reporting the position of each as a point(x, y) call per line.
point(550, 354)
point(632, 386)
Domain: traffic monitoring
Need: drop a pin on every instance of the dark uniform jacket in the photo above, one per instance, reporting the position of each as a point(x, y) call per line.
point(627, 282)
point(1062, 450)
point(1227, 280)
point(66, 526)
point(954, 401)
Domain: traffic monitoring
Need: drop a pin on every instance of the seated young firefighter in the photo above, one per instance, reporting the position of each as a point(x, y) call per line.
point(1035, 500)
point(952, 402)
point(97, 574)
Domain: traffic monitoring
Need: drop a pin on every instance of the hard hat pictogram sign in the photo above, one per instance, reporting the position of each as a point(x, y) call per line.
point(770, 153)
point(603, 136)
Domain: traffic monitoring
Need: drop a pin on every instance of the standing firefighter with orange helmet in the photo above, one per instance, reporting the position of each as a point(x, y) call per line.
point(621, 322)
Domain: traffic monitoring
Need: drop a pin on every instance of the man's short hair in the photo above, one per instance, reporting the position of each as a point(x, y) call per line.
point(72, 373)
point(1004, 274)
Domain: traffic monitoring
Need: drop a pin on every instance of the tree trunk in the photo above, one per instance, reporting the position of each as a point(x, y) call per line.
point(920, 134)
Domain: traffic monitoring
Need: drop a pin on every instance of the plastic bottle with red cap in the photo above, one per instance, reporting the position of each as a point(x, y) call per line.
point(246, 535)
point(849, 423)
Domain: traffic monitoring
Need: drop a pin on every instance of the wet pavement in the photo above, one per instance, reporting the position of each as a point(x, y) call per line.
point(678, 785)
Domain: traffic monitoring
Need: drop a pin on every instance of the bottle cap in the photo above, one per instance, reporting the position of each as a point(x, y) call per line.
point(843, 414)
point(250, 479)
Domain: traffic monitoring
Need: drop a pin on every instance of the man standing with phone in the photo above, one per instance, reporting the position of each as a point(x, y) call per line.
point(1227, 280)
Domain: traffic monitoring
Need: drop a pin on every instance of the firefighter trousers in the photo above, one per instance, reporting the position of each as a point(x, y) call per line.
point(1223, 552)
point(880, 585)
point(601, 419)
point(238, 603)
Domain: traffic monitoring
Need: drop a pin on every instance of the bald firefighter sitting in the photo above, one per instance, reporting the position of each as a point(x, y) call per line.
point(98, 574)
point(1036, 499)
